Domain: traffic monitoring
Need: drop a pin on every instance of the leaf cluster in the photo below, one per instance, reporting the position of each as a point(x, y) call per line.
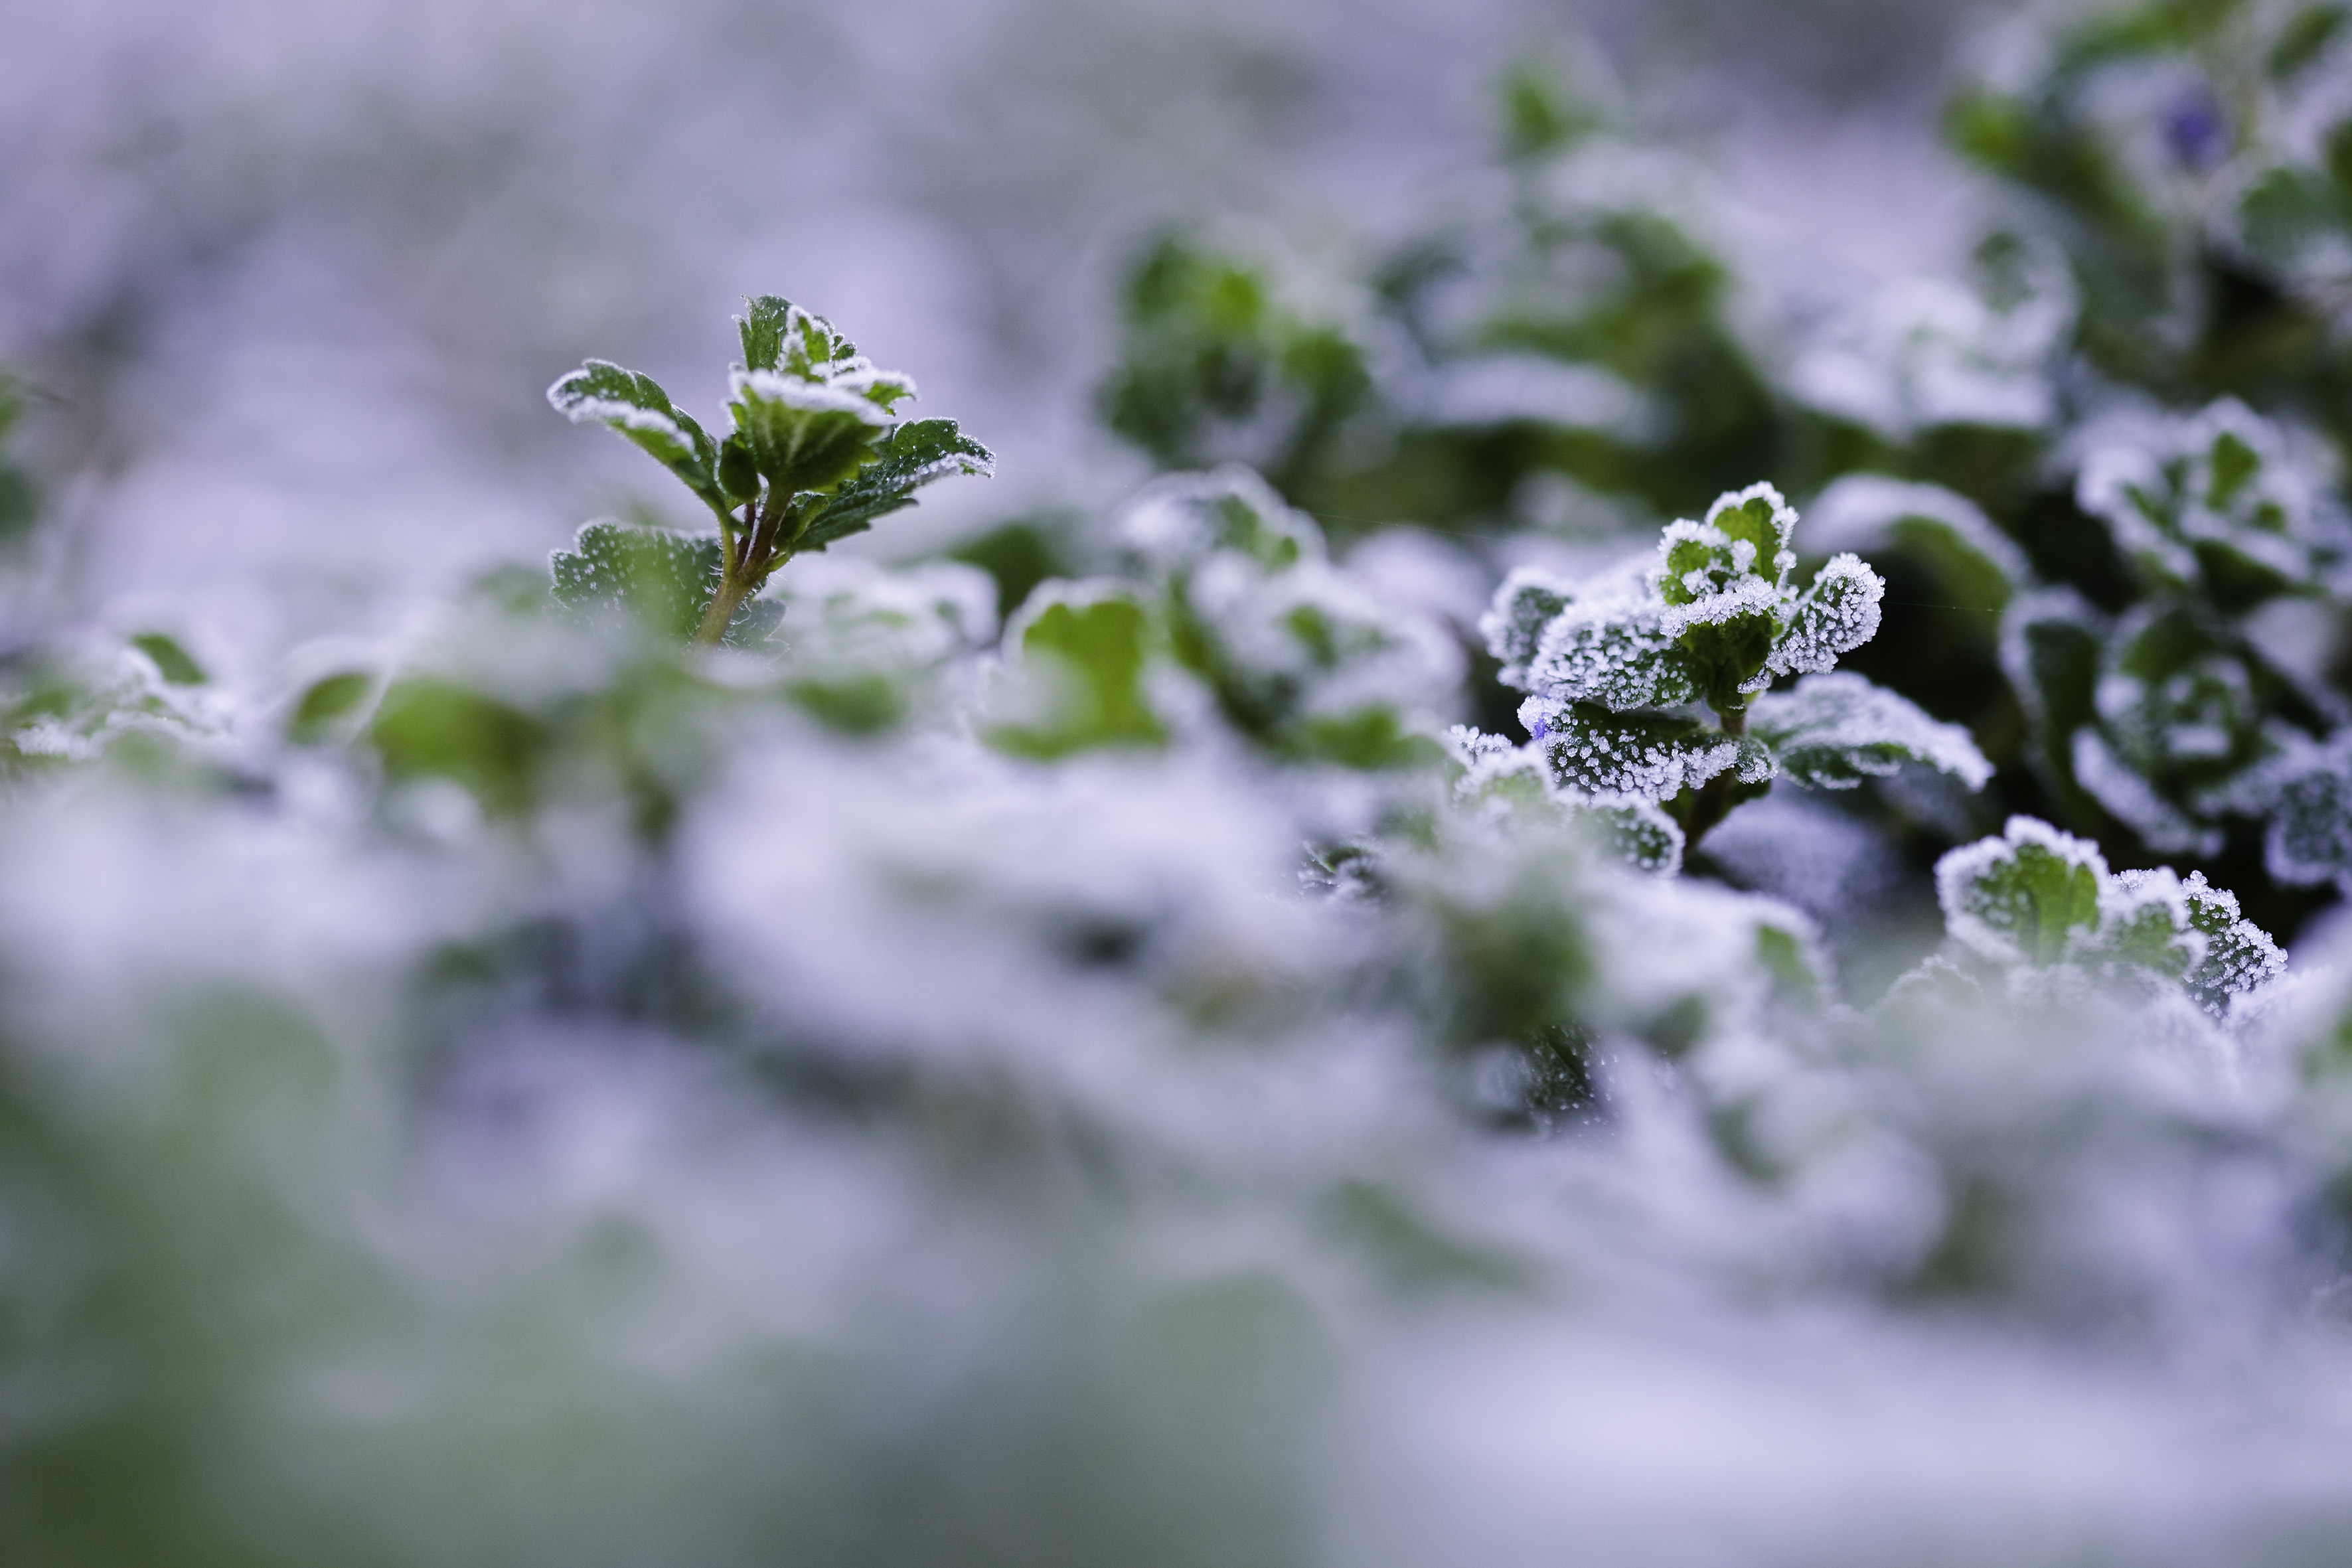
point(1616, 670)
point(816, 452)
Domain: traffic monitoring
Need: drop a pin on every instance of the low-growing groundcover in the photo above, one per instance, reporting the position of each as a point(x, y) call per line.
point(727, 1052)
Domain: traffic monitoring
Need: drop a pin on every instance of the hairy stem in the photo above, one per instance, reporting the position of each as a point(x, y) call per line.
point(741, 568)
point(732, 591)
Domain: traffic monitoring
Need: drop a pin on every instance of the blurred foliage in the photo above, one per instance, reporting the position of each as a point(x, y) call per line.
point(2101, 475)
point(988, 1063)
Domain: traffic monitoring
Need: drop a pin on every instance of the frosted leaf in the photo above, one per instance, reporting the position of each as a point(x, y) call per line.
point(1621, 656)
point(1745, 537)
point(1759, 516)
point(2216, 501)
point(1499, 775)
point(908, 459)
point(2144, 919)
point(2050, 643)
point(1075, 679)
point(1937, 990)
point(2308, 838)
point(846, 617)
point(1837, 614)
point(807, 410)
point(1307, 661)
point(1650, 756)
point(1926, 352)
point(2239, 956)
point(85, 704)
point(663, 579)
point(1978, 565)
point(2133, 801)
point(2028, 895)
point(1637, 832)
point(2181, 724)
point(602, 392)
point(1723, 638)
point(1524, 606)
point(1834, 730)
point(1179, 521)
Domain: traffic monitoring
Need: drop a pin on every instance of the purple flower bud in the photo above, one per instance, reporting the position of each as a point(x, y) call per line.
point(2194, 131)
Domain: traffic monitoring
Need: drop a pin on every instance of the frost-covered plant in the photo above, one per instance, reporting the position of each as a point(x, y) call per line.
point(815, 451)
point(2041, 907)
point(1568, 335)
point(1219, 365)
point(1616, 670)
point(2207, 699)
point(1229, 596)
point(664, 1106)
point(2192, 155)
point(143, 700)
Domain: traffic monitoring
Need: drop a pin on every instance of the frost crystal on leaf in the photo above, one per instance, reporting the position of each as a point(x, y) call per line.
point(1177, 523)
point(1834, 730)
point(1649, 756)
point(2308, 839)
point(2025, 897)
point(1613, 666)
point(2215, 501)
point(1837, 614)
point(1524, 606)
point(1623, 656)
point(2039, 898)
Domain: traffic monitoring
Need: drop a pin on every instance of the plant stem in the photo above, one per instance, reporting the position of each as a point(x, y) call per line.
point(732, 591)
point(1712, 802)
point(741, 569)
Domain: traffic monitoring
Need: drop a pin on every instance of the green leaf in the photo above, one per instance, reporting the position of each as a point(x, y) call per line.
point(2303, 39)
point(1082, 659)
point(1646, 755)
point(604, 393)
point(912, 456)
point(172, 661)
point(762, 329)
point(1836, 616)
point(803, 434)
point(663, 580)
point(327, 707)
point(2239, 956)
point(739, 476)
point(2028, 896)
point(1527, 602)
point(2052, 644)
point(427, 727)
point(1833, 730)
